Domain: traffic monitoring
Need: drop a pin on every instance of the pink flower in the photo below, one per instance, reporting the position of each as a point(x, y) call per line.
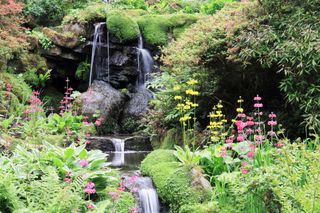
point(250, 155)
point(272, 123)
point(240, 138)
point(88, 134)
point(259, 138)
point(249, 131)
point(257, 98)
point(68, 180)
point(244, 170)
point(229, 140)
point(258, 105)
point(272, 115)
point(240, 124)
point(114, 195)
point(90, 188)
point(279, 145)
point(84, 163)
point(89, 191)
point(244, 164)
point(250, 123)
point(241, 115)
point(249, 118)
point(90, 206)
point(90, 185)
point(87, 142)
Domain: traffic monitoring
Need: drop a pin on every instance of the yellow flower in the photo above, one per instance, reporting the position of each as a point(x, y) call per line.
point(185, 118)
point(192, 82)
point(240, 100)
point(239, 110)
point(177, 87)
point(189, 103)
point(191, 92)
point(186, 107)
point(177, 97)
point(219, 106)
point(195, 105)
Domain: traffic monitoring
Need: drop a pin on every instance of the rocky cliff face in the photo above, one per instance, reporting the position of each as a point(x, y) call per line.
point(118, 96)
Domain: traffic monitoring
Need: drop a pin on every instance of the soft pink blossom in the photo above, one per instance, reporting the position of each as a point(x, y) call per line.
point(84, 163)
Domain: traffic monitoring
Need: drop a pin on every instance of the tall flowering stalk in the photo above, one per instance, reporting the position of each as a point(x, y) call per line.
point(187, 107)
point(66, 102)
point(35, 106)
point(217, 124)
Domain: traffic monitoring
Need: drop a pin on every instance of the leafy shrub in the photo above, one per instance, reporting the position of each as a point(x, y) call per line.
point(45, 12)
point(137, 4)
point(82, 71)
point(44, 41)
point(122, 26)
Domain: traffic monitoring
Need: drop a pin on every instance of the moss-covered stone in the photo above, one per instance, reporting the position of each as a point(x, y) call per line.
point(172, 180)
point(155, 28)
point(122, 26)
point(63, 39)
point(91, 13)
point(171, 138)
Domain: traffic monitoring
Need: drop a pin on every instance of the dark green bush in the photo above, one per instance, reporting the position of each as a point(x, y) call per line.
point(45, 12)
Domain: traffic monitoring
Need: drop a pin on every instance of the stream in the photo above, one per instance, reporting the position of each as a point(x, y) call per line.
point(128, 162)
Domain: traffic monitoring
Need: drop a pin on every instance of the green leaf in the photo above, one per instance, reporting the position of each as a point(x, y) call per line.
point(68, 153)
point(83, 154)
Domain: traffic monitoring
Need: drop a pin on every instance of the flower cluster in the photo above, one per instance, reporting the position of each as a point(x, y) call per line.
point(66, 102)
point(217, 123)
point(90, 188)
point(35, 104)
point(84, 163)
point(8, 89)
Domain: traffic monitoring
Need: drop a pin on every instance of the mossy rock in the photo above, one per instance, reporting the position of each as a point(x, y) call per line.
point(62, 39)
point(172, 180)
point(93, 12)
point(171, 138)
point(155, 28)
point(32, 61)
point(122, 26)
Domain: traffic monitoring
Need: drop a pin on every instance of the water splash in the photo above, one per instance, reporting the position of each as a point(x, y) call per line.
point(145, 62)
point(118, 158)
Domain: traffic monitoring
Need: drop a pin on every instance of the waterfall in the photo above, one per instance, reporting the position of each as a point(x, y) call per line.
point(149, 201)
point(100, 56)
point(118, 158)
point(145, 63)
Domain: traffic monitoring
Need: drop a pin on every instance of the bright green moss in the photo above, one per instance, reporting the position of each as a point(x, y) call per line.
point(199, 208)
point(122, 26)
point(173, 181)
point(124, 202)
point(155, 28)
point(170, 139)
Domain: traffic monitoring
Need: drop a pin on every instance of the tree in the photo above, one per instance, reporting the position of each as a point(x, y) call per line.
point(12, 36)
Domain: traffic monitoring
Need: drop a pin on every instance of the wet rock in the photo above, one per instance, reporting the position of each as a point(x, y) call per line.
point(138, 143)
point(102, 143)
point(138, 103)
point(102, 97)
point(199, 181)
point(62, 39)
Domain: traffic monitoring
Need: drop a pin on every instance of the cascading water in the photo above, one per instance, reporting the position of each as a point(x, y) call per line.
point(149, 201)
point(100, 56)
point(145, 63)
point(118, 158)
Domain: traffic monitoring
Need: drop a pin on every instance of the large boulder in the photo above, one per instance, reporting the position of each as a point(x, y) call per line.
point(104, 98)
point(138, 103)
